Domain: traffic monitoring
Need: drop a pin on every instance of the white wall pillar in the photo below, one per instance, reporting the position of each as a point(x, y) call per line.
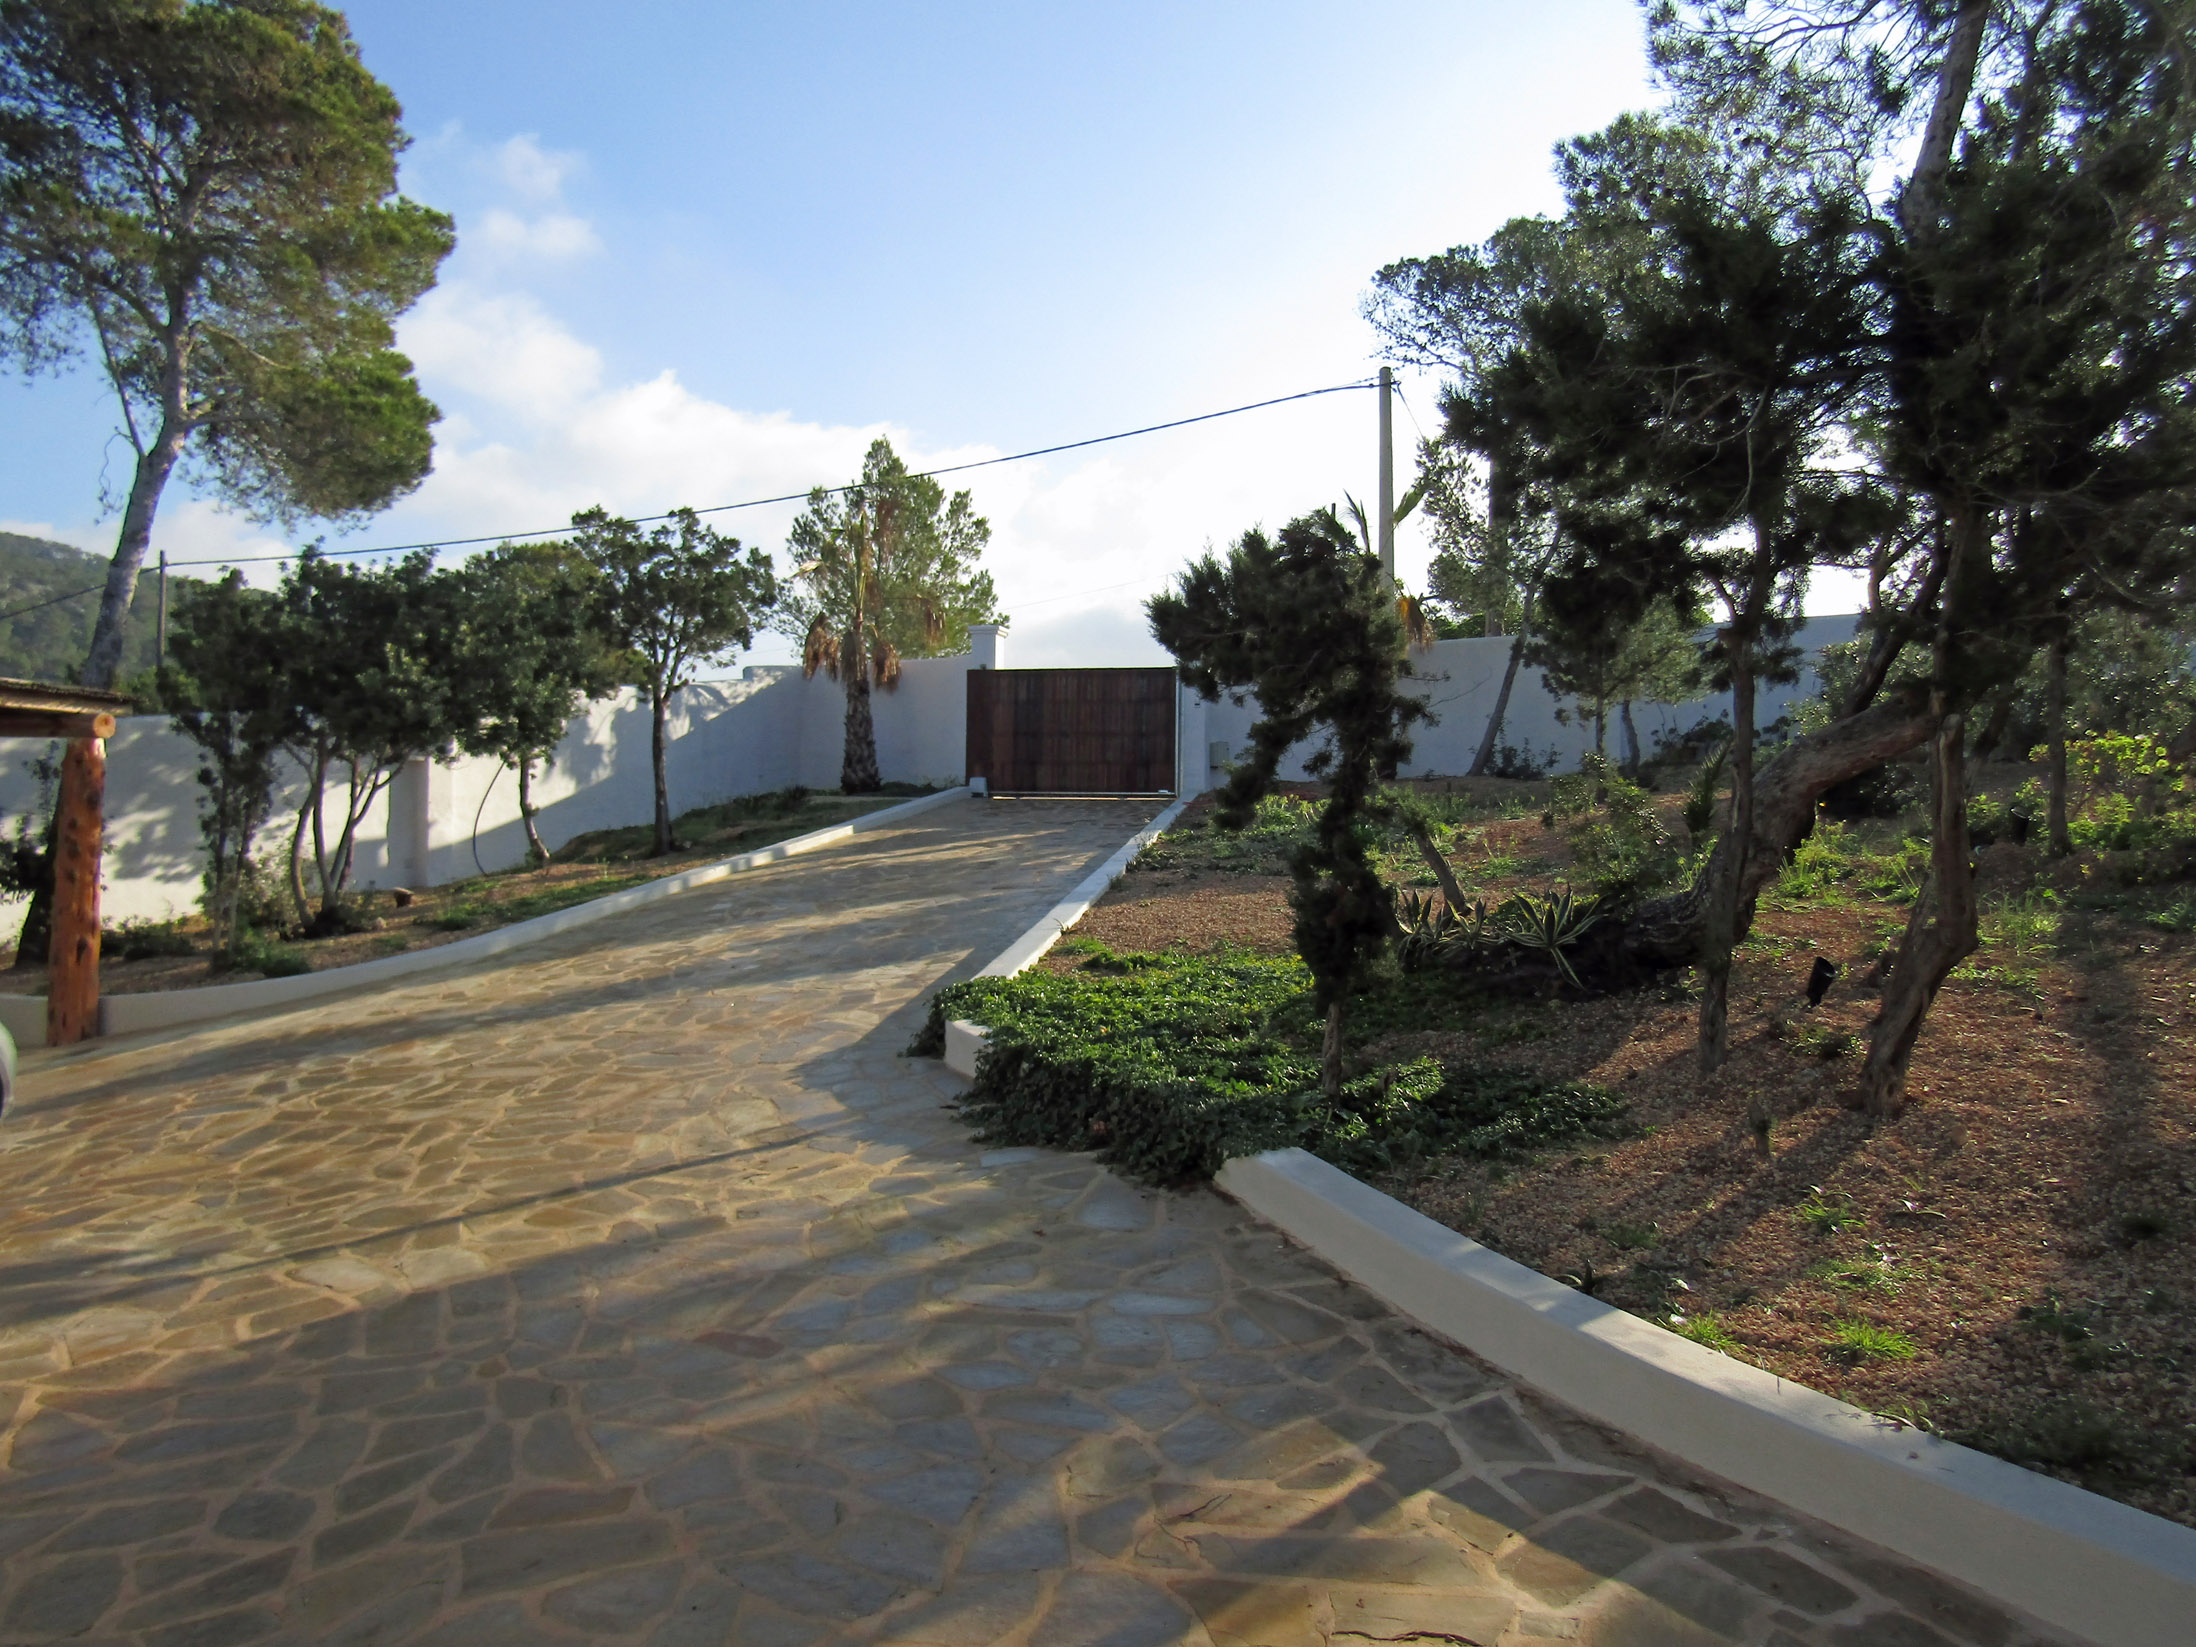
point(985, 648)
point(1193, 774)
point(411, 824)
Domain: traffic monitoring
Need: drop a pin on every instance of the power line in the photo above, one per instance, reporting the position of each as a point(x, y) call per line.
point(802, 497)
point(40, 606)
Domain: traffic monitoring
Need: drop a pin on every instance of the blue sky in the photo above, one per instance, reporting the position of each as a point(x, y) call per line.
point(709, 252)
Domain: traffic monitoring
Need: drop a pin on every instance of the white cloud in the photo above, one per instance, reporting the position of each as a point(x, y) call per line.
point(523, 167)
point(502, 349)
point(554, 236)
point(536, 432)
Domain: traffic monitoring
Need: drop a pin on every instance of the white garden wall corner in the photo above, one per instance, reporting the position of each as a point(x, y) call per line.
point(2098, 1569)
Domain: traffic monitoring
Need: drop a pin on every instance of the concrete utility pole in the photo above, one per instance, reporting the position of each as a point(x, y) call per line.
point(1386, 537)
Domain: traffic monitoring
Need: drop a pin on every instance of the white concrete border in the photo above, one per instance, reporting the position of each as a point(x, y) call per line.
point(2099, 1569)
point(965, 1040)
point(163, 1009)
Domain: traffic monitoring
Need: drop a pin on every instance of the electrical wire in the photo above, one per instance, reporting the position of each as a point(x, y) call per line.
point(802, 497)
point(40, 606)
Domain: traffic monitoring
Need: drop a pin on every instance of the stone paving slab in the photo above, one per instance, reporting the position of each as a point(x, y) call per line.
point(635, 1289)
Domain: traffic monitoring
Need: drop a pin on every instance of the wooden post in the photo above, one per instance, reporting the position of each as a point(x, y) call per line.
point(72, 963)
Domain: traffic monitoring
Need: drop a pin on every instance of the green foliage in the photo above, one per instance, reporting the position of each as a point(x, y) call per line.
point(203, 198)
point(1824, 861)
point(2055, 1318)
point(1549, 925)
point(46, 638)
point(1707, 1330)
point(1865, 1341)
point(1827, 1214)
point(366, 670)
point(1168, 1066)
point(1308, 622)
point(1825, 1042)
point(139, 940)
point(2071, 1433)
point(232, 694)
point(253, 952)
point(1622, 846)
point(525, 655)
point(886, 570)
point(1879, 1271)
point(665, 602)
point(1700, 794)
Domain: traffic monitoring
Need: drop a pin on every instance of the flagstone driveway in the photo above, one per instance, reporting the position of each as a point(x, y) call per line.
point(632, 1287)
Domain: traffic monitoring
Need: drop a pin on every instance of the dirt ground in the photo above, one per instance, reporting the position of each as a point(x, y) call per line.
point(2012, 1261)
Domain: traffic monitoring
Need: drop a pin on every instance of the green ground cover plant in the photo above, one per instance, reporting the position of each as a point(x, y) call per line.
point(1168, 1065)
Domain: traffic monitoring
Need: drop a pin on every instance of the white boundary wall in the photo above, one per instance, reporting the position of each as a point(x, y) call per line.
point(1460, 679)
point(442, 822)
point(767, 731)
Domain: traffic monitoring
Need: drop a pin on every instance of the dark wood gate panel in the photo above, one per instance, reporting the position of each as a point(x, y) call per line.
point(1072, 731)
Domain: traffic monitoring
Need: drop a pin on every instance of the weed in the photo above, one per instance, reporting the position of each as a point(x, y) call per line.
point(1825, 1042)
point(2057, 1320)
point(456, 918)
point(2177, 916)
point(1633, 1237)
point(1707, 1330)
point(1907, 1413)
point(1865, 1341)
point(2143, 1225)
point(2072, 1434)
point(255, 954)
point(1827, 1214)
point(1823, 860)
point(1878, 1272)
point(1587, 1279)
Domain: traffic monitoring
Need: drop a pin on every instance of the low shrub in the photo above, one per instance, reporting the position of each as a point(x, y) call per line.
point(145, 940)
point(254, 953)
point(1169, 1065)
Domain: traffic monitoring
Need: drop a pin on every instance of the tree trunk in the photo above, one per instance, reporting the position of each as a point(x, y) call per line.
point(308, 815)
point(1485, 757)
point(154, 465)
point(1601, 726)
point(1440, 867)
point(858, 767)
point(1724, 891)
point(1330, 1055)
point(659, 704)
point(1672, 929)
point(1921, 203)
point(2056, 832)
point(534, 848)
point(1631, 764)
point(1940, 933)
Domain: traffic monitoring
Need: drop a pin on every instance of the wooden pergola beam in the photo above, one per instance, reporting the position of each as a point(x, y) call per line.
point(55, 723)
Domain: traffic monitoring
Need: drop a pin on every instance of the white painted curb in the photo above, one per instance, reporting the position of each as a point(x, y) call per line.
point(24, 1018)
point(2099, 1569)
point(964, 1041)
point(1026, 950)
point(134, 1014)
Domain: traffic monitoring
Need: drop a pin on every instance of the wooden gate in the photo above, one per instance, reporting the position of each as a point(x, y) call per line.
point(1072, 731)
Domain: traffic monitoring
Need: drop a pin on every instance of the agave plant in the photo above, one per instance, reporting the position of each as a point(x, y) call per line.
point(1434, 930)
point(1551, 924)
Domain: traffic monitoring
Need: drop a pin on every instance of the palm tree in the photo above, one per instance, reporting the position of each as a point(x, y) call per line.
point(885, 570)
